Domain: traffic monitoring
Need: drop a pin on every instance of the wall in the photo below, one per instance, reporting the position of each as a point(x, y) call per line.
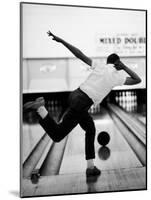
point(79, 26)
point(44, 71)
point(59, 75)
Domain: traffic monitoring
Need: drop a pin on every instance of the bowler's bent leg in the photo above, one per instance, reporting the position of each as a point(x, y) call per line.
point(57, 131)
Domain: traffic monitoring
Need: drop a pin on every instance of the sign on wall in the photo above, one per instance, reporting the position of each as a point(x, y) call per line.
point(124, 44)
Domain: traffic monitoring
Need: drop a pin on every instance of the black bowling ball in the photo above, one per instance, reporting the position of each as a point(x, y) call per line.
point(103, 138)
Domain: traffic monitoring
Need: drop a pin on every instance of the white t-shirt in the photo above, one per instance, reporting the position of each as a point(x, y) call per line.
point(101, 81)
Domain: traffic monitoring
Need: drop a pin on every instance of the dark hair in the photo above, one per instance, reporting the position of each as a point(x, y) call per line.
point(112, 58)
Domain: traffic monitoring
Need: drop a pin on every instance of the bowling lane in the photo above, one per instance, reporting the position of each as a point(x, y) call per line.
point(140, 117)
point(136, 110)
point(31, 134)
point(116, 155)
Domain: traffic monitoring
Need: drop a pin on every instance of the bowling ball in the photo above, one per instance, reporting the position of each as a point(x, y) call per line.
point(103, 138)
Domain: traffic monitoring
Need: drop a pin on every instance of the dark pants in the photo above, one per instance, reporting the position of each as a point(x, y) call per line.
point(77, 113)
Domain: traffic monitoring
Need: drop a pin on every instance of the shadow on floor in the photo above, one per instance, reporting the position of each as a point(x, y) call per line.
point(14, 193)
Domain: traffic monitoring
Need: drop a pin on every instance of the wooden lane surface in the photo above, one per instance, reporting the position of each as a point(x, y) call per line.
point(31, 135)
point(131, 122)
point(119, 153)
point(138, 147)
point(31, 162)
point(53, 159)
point(109, 180)
point(140, 117)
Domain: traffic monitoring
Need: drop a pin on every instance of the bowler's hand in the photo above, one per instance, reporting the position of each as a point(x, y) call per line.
point(54, 37)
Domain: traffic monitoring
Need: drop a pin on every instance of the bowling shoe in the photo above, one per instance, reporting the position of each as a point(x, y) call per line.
point(34, 105)
point(93, 172)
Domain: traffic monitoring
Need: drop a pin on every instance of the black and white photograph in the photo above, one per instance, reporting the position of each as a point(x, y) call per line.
point(83, 81)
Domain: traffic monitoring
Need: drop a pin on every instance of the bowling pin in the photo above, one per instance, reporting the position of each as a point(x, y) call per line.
point(135, 101)
point(120, 98)
point(132, 101)
point(116, 97)
point(52, 106)
point(128, 99)
point(124, 100)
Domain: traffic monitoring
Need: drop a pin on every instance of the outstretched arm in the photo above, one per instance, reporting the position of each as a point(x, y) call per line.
point(73, 49)
point(133, 79)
